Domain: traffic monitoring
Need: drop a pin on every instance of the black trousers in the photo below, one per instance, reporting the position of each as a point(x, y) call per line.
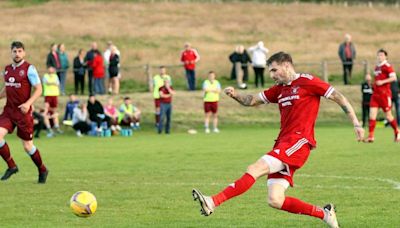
point(82, 126)
point(79, 80)
point(90, 82)
point(259, 73)
point(347, 68)
point(99, 121)
point(365, 114)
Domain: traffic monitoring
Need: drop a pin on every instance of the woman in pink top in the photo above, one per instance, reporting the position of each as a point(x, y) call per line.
point(111, 111)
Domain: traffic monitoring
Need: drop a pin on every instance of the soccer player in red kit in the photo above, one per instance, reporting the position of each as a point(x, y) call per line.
point(19, 78)
point(382, 96)
point(298, 97)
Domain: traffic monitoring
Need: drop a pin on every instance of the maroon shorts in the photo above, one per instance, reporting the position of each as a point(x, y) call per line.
point(293, 154)
point(157, 102)
point(23, 122)
point(382, 101)
point(52, 100)
point(211, 107)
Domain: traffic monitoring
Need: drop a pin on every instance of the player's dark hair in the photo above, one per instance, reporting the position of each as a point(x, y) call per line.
point(162, 66)
point(211, 72)
point(17, 44)
point(382, 51)
point(279, 58)
point(126, 98)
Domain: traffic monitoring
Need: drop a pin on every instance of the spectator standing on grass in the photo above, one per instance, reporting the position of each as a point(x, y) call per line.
point(212, 89)
point(106, 56)
point(111, 111)
point(96, 113)
point(98, 73)
point(114, 70)
point(259, 59)
point(51, 91)
point(158, 82)
point(189, 58)
point(80, 120)
point(64, 67)
point(347, 54)
point(166, 93)
point(129, 115)
point(53, 60)
point(89, 59)
point(366, 90)
point(79, 72)
point(240, 59)
point(70, 106)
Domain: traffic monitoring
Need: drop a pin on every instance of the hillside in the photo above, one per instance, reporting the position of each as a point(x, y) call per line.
point(155, 32)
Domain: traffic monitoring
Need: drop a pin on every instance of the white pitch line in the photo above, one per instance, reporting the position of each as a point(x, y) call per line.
point(396, 184)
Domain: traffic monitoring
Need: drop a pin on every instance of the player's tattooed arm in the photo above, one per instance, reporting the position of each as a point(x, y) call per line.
point(342, 101)
point(243, 99)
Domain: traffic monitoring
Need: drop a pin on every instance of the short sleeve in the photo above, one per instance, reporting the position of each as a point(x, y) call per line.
point(33, 75)
point(204, 86)
point(270, 95)
point(320, 88)
point(218, 85)
point(390, 71)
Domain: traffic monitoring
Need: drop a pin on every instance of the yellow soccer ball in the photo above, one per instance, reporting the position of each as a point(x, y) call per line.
point(83, 204)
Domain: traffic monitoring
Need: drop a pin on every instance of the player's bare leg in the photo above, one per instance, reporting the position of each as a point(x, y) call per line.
point(36, 158)
point(373, 112)
point(6, 155)
point(207, 116)
point(215, 122)
point(393, 124)
point(276, 193)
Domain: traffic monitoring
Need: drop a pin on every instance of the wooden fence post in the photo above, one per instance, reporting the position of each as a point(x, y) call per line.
point(324, 68)
point(149, 78)
point(366, 67)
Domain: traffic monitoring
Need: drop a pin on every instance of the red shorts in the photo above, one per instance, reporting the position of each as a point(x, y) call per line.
point(293, 154)
point(52, 100)
point(23, 122)
point(157, 102)
point(211, 107)
point(382, 101)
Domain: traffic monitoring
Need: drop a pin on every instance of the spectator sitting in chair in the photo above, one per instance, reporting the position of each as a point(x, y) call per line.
point(111, 111)
point(70, 106)
point(80, 120)
point(129, 115)
point(96, 113)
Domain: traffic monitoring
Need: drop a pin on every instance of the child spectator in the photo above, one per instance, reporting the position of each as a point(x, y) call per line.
point(111, 111)
point(129, 115)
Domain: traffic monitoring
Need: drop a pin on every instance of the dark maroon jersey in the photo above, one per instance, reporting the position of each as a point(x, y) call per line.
point(17, 84)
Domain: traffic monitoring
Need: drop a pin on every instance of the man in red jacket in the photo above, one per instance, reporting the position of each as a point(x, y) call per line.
point(189, 58)
point(97, 64)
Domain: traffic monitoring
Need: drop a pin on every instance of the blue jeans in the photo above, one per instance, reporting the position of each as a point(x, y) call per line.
point(99, 86)
point(191, 79)
point(165, 112)
point(62, 76)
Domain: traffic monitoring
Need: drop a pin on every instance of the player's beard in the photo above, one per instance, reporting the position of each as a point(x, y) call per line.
point(17, 60)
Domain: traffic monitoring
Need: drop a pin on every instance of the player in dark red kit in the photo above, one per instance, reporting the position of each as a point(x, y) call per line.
point(19, 78)
point(382, 96)
point(298, 97)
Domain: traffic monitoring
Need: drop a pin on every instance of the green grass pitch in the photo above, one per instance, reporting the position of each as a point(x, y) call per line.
point(146, 180)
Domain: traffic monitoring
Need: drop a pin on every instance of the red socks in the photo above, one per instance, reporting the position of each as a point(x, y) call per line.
point(372, 124)
point(297, 206)
point(38, 161)
point(393, 123)
point(235, 189)
point(5, 154)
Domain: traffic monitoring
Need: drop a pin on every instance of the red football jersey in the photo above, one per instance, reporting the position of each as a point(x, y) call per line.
point(383, 71)
point(18, 87)
point(298, 106)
